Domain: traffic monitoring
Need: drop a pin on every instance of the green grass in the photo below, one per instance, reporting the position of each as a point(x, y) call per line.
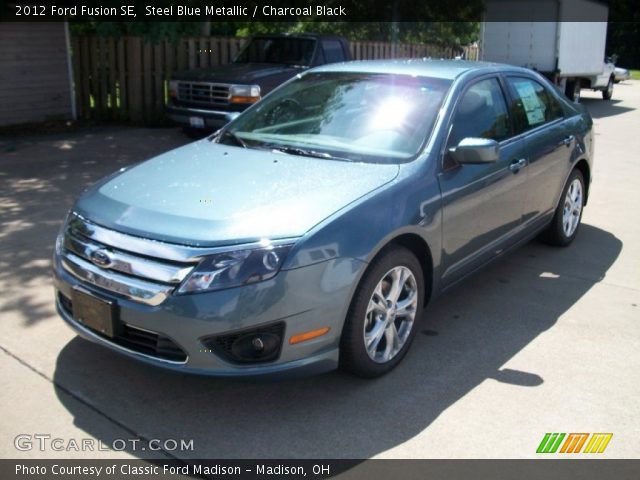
point(635, 74)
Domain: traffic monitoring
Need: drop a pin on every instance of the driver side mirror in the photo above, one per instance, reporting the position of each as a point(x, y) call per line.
point(475, 150)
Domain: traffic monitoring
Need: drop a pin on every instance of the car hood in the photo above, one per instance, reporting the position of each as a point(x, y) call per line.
point(206, 194)
point(242, 73)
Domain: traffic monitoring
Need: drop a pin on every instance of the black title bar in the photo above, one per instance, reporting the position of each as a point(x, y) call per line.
point(302, 10)
point(565, 469)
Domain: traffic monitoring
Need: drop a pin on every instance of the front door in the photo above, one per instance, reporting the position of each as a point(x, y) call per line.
point(482, 204)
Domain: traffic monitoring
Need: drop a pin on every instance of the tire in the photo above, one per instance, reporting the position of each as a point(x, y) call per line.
point(386, 350)
point(557, 233)
point(195, 133)
point(608, 92)
point(573, 90)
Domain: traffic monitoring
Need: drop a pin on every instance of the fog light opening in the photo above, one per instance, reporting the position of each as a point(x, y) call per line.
point(256, 347)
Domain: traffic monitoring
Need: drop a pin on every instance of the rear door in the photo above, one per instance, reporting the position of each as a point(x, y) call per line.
point(482, 204)
point(539, 117)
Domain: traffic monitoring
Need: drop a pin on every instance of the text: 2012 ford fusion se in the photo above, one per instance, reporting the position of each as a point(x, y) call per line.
point(310, 232)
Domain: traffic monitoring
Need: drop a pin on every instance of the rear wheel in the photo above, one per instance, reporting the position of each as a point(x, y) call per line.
point(566, 220)
point(573, 90)
point(381, 322)
point(608, 92)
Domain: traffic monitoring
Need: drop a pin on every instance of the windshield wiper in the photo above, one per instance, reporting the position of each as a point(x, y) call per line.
point(238, 141)
point(306, 153)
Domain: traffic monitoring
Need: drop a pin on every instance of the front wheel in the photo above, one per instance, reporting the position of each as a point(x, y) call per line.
point(381, 322)
point(195, 133)
point(566, 220)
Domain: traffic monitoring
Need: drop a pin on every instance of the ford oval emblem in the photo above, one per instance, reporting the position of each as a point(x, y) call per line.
point(101, 258)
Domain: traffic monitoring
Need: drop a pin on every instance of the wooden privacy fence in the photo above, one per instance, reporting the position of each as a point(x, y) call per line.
point(126, 78)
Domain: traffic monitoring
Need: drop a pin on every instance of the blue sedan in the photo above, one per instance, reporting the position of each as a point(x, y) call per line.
point(311, 232)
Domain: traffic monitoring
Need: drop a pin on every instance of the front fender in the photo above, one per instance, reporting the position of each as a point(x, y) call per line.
point(411, 204)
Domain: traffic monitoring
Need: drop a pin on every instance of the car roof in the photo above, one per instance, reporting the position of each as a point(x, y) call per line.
point(420, 67)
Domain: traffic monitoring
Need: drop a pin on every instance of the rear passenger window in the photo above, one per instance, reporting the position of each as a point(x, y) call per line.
point(333, 51)
point(534, 104)
point(481, 113)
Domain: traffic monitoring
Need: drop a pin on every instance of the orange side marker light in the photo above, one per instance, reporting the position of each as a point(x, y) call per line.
point(303, 337)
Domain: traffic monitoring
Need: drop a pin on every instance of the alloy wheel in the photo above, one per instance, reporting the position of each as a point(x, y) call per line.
point(390, 314)
point(572, 208)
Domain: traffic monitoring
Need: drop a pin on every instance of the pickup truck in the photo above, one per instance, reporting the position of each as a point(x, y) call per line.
point(206, 99)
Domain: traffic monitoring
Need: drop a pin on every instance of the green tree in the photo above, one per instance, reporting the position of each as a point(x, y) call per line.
point(623, 32)
point(449, 34)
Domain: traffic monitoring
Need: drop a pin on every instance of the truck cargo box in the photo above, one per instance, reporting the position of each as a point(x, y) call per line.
point(549, 42)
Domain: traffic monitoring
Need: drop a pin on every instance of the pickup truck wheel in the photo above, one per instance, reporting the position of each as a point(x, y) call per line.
point(608, 92)
point(195, 133)
point(573, 90)
point(381, 322)
point(566, 220)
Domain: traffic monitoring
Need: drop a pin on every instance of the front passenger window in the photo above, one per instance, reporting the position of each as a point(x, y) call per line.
point(481, 113)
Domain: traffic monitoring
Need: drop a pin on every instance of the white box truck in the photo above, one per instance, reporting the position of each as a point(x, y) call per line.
point(570, 53)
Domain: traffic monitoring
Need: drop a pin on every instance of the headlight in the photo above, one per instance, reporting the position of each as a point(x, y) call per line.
point(244, 93)
point(61, 232)
point(232, 269)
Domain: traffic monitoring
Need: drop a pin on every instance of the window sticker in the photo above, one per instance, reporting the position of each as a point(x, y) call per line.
point(533, 106)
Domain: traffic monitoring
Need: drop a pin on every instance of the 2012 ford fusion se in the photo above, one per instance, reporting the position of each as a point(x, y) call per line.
point(310, 232)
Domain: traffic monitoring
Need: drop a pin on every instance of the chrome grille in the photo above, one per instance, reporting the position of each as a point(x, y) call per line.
point(94, 255)
point(204, 93)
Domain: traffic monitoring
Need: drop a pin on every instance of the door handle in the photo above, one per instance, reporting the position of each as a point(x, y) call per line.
point(567, 140)
point(516, 165)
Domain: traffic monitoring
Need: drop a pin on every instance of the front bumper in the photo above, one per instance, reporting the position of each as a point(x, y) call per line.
point(212, 119)
point(304, 299)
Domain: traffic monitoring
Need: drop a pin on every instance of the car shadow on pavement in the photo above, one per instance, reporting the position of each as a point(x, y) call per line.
point(599, 108)
point(465, 338)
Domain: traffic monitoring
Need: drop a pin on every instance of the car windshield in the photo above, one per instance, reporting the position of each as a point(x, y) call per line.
point(359, 117)
point(286, 51)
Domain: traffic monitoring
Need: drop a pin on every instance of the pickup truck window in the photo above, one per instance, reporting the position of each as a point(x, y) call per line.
point(354, 116)
point(279, 50)
point(333, 51)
